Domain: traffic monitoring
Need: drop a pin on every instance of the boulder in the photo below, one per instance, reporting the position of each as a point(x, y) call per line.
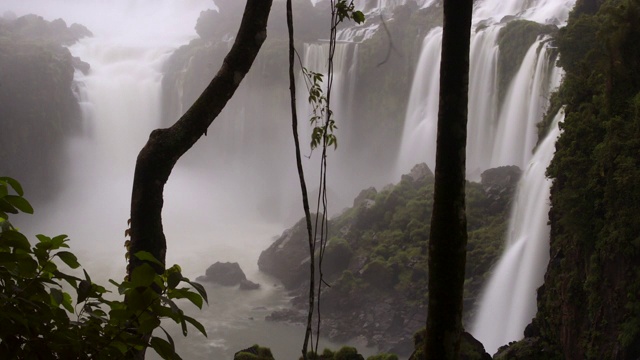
point(248, 285)
point(366, 198)
point(227, 274)
point(500, 184)
point(419, 172)
point(287, 258)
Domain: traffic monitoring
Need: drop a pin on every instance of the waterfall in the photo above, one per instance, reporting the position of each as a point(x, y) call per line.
point(509, 303)
point(422, 112)
point(498, 134)
point(524, 106)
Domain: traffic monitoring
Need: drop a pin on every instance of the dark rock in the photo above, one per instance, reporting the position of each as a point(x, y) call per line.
point(500, 184)
point(472, 349)
point(227, 274)
point(79, 31)
point(419, 172)
point(248, 285)
point(532, 348)
point(287, 315)
point(287, 258)
point(532, 330)
point(83, 66)
point(366, 197)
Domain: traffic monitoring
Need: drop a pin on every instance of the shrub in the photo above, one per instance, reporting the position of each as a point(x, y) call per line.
point(39, 319)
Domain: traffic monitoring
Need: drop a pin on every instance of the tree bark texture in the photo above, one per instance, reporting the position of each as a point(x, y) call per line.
point(448, 237)
point(165, 146)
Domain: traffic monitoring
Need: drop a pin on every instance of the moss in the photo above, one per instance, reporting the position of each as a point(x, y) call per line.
point(347, 353)
point(255, 352)
point(589, 300)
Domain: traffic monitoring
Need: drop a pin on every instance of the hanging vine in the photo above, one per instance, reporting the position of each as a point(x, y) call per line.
point(323, 136)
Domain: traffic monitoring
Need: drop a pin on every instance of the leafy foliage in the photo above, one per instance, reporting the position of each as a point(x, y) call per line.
point(38, 313)
point(595, 193)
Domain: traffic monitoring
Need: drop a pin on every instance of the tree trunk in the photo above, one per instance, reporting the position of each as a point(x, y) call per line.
point(165, 146)
point(448, 238)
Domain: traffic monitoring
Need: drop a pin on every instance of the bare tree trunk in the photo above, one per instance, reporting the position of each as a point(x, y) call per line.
point(448, 238)
point(165, 146)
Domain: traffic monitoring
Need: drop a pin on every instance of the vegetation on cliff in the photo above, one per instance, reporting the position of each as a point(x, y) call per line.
point(375, 262)
point(589, 305)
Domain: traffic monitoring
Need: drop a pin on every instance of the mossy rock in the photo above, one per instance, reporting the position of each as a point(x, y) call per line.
point(255, 352)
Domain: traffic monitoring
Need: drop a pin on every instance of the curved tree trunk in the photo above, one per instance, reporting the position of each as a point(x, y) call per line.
point(448, 238)
point(165, 146)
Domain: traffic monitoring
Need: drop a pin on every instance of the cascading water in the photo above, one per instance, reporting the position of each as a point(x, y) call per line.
point(524, 106)
point(209, 212)
point(208, 215)
point(498, 134)
point(508, 303)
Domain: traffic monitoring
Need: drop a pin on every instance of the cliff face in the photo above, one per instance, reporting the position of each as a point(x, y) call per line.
point(589, 305)
point(38, 108)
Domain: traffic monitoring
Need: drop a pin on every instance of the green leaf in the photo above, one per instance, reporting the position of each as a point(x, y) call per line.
point(199, 288)
point(120, 346)
point(15, 239)
point(19, 203)
point(174, 279)
point(185, 293)
point(196, 324)
point(27, 267)
point(6, 207)
point(4, 191)
point(183, 324)
point(138, 300)
point(57, 296)
point(173, 345)
point(59, 241)
point(148, 324)
point(84, 290)
point(69, 258)
point(14, 184)
point(67, 302)
point(143, 276)
point(72, 280)
point(358, 17)
point(146, 256)
point(164, 348)
point(86, 275)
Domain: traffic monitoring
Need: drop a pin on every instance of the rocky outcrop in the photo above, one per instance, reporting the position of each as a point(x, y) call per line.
point(287, 258)
point(38, 108)
point(248, 285)
point(470, 348)
point(227, 274)
point(376, 260)
point(499, 184)
point(254, 352)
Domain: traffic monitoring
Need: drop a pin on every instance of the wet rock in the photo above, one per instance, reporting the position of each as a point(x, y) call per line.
point(366, 198)
point(248, 285)
point(227, 274)
point(287, 258)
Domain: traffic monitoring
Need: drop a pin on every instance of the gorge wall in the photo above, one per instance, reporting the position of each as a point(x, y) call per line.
point(38, 107)
point(589, 305)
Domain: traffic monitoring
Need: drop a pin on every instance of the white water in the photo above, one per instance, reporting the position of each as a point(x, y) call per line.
point(508, 303)
point(209, 215)
point(498, 134)
point(524, 106)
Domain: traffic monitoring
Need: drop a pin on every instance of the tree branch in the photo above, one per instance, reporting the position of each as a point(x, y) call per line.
point(165, 146)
